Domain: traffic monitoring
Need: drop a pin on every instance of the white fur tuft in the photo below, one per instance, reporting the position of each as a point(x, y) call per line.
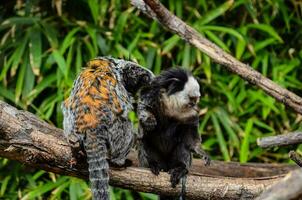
point(176, 105)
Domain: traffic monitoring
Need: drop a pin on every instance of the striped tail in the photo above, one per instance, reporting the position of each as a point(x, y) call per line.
point(96, 151)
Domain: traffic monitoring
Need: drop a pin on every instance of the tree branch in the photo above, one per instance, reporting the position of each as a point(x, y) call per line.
point(290, 187)
point(280, 140)
point(154, 9)
point(25, 138)
point(297, 158)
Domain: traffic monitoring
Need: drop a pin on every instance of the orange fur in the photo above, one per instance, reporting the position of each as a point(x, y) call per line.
point(94, 93)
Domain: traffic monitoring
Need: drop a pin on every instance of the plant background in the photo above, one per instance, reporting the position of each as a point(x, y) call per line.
point(44, 44)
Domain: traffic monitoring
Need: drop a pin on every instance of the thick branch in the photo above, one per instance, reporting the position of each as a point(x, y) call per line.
point(157, 11)
point(280, 140)
point(290, 187)
point(25, 138)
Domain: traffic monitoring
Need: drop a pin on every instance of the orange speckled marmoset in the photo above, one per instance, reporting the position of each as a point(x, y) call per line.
point(96, 115)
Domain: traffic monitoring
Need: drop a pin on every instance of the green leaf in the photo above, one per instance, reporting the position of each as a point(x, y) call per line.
point(216, 12)
point(268, 29)
point(222, 29)
point(20, 21)
point(134, 43)
point(220, 138)
point(4, 184)
point(51, 34)
point(263, 44)
point(16, 58)
point(207, 67)
point(216, 40)
point(68, 40)
point(170, 44)
point(35, 50)
point(60, 62)
point(92, 33)
point(245, 146)
point(227, 124)
point(7, 94)
point(57, 193)
point(186, 56)
point(39, 191)
point(121, 24)
point(79, 61)
point(20, 79)
point(46, 82)
point(94, 9)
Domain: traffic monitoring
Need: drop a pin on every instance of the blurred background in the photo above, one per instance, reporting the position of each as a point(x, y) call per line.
point(45, 44)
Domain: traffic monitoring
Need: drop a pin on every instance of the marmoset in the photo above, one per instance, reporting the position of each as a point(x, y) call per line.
point(96, 115)
point(168, 124)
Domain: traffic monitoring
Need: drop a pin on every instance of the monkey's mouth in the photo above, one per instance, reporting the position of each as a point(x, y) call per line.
point(193, 106)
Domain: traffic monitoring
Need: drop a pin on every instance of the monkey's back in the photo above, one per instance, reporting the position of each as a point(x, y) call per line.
point(98, 98)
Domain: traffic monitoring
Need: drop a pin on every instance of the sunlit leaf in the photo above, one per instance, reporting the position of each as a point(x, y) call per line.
point(35, 50)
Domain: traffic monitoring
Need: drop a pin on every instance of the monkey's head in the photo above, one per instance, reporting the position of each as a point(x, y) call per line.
point(179, 93)
point(136, 77)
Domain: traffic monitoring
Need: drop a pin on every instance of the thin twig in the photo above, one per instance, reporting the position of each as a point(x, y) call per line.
point(280, 140)
point(156, 10)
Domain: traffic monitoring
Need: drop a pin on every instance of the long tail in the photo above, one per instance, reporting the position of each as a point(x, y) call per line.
point(96, 151)
point(183, 187)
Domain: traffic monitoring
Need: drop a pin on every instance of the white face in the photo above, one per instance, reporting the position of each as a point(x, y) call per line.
point(183, 104)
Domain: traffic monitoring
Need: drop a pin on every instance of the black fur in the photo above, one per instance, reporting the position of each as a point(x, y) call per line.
point(172, 80)
point(166, 142)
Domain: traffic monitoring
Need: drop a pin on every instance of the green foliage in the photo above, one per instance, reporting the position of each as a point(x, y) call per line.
point(44, 46)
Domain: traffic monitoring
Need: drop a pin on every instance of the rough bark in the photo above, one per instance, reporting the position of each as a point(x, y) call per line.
point(290, 187)
point(154, 9)
point(297, 158)
point(25, 138)
point(280, 140)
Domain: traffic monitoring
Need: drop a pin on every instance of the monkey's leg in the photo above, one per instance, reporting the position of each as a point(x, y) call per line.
point(181, 162)
point(120, 141)
point(77, 145)
point(150, 157)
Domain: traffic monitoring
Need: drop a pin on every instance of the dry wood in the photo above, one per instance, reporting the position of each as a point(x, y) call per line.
point(156, 10)
point(280, 140)
point(297, 158)
point(290, 187)
point(25, 138)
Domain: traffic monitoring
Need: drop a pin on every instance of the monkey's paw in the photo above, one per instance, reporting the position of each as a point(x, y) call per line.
point(207, 160)
point(177, 174)
point(154, 168)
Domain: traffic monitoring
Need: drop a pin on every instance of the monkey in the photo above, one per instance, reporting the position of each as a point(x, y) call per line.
point(96, 115)
point(168, 124)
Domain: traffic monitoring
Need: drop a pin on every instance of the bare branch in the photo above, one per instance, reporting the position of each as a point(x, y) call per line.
point(290, 187)
point(280, 140)
point(297, 158)
point(25, 138)
point(157, 11)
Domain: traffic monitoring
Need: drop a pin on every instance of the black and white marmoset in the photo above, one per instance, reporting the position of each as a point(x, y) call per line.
point(96, 115)
point(168, 123)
